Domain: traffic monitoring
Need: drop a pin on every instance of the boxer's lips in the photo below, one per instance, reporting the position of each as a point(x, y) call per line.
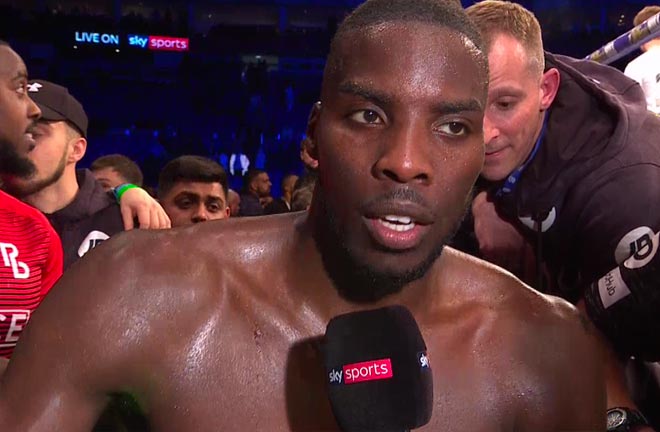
point(398, 226)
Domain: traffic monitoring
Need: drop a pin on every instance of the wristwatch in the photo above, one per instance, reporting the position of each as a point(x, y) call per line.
point(624, 419)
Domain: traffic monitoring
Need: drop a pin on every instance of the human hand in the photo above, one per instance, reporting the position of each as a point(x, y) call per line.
point(500, 242)
point(138, 203)
point(264, 201)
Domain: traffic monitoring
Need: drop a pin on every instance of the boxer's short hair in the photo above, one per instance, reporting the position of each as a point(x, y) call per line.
point(443, 13)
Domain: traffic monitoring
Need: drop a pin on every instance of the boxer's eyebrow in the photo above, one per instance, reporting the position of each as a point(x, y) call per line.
point(356, 89)
point(382, 99)
point(457, 107)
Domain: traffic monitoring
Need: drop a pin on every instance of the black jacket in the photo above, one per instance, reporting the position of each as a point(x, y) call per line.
point(595, 181)
point(250, 205)
point(92, 217)
point(277, 206)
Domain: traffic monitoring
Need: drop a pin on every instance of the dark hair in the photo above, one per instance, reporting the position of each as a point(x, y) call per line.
point(251, 175)
point(191, 169)
point(443, 13)
point(123, 165)
point(4, 43)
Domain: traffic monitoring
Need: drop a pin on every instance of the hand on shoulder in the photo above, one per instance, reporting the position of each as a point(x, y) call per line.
point(137, 203)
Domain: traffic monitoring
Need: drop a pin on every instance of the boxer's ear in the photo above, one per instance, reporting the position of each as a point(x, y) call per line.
point(310, 143)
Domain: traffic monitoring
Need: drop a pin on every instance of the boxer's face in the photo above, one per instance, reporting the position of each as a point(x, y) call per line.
point(399, 143)
point(514, 110)
point(17, 116)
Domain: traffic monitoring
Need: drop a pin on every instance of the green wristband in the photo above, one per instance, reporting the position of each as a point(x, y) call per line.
point(120, 190)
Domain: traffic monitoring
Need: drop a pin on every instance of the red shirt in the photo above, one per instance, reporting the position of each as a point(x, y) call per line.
point(30, 264)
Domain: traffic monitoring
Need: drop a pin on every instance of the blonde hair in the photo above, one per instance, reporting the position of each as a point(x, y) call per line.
point(496, 17)
point(646, 13)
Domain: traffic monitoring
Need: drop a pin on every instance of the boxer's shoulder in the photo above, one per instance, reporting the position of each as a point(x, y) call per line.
point(543, 342)
point(500, 291)
point(211, 256)
point(233, 242)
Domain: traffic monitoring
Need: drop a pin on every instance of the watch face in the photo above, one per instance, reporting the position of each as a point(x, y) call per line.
point(615, 418)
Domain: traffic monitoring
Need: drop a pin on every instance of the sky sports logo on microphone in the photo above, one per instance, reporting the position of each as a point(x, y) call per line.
point(361, 372)
point(423, 358)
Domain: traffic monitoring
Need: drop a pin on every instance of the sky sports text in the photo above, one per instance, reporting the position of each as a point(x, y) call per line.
point(159, 43)
point(361, 372)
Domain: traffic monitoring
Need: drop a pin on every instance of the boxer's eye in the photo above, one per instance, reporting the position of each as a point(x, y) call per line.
point(367, 117)
point(455, 129)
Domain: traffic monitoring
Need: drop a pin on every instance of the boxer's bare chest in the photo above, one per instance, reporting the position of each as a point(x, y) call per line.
point(262, 370)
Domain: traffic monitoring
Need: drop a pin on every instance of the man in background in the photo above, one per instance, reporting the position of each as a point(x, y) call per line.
point(571, 174)
point(80, 210)
point(645, 69)
point(193, 189)
point(256, 193)
point(283, 204)
point(234, 202)
point(303, 192)
point(115, 170)
point(30, 251)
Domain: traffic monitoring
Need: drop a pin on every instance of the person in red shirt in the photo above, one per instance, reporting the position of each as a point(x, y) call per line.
point(30, 264)
point(30, 250)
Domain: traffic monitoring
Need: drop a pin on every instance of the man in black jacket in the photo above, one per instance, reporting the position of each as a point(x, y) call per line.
point(571, 177)
point(283, 203)
point(82, 213)
point(256, 193)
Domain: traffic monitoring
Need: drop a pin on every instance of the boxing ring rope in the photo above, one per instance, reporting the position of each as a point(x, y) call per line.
point(627, 42)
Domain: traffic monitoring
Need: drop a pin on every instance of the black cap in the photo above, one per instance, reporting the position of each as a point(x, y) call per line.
point(57, 104)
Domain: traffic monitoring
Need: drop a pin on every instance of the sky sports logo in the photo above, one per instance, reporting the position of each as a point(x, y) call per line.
point(159, 43)
point(361, 372)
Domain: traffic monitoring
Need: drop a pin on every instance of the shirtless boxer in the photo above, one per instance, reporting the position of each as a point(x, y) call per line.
point(215, 327)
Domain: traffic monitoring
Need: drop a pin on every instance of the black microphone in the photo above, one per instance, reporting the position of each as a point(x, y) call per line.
point(379, 374)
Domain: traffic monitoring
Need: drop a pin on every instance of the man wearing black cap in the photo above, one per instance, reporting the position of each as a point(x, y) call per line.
point(82, 213)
